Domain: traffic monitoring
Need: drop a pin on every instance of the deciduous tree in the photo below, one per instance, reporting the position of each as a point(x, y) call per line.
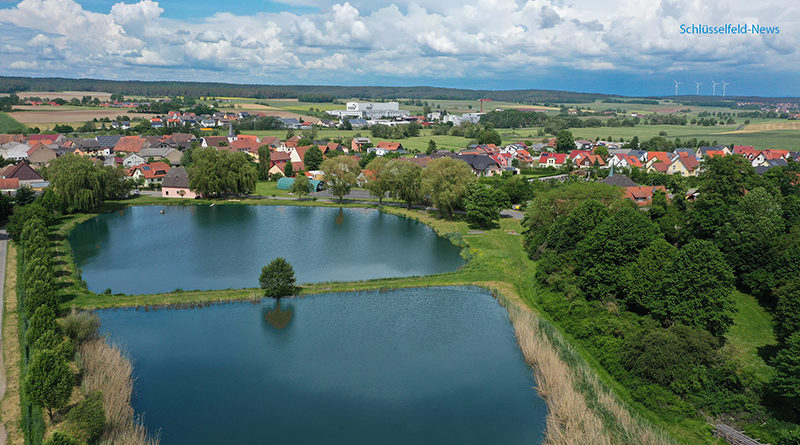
point(301, 186)
point(447, 182)
point(341, 175)
point(48, 381)
point(277, 279)
point(78, 183)
point(481, 206)
point(312, 158)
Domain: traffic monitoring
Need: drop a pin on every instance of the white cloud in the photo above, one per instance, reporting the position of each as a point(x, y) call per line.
point(357, 38)
point(23, 65)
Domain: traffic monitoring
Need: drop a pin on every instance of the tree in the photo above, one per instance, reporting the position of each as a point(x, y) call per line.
point(698, 290)
point(25, 195)
point(645, 280)
point(118, 183)
point(447, 182)
point(517, 188)
point(48, 381)
point(431, 147)
point(263, 162)
point(568, 230)
point(406, 181)
point(79, 184)
point(604, 252)
point(341, 174)
point(787, 311)
point(219, 172)
point(301, 186)
point(786, 382)
point(288, 169)
point(379, 178)
point(565, 143)
point(481, 206)
point(313, 158)
point(43, 320)
point(489, 136)
point(277, 279)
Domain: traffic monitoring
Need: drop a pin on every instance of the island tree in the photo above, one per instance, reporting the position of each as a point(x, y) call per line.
point(341, 174)
point(277, 279)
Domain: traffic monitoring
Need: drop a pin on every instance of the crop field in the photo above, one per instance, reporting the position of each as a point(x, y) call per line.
point(66, 95)
point(58, 115)
point(770, 126)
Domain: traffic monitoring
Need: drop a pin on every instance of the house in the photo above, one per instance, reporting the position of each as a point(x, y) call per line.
point(24, 174)
point(482, 165)
point(133, 160)
point(643, 195)
point(176, 184)
point(40, 155)
point(624, 161)
point(683, 165)
point(590, 161)
point(619, 180)
point(552, 160)
point(153, 173)
point(358, 143)
point(9, 186)
point(107, 143)
point(215, 141)
point(383, 148)
point(129, 144)
point(173, 156)
point(655, 157)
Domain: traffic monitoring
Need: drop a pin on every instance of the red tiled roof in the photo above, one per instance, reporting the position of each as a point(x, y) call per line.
point(391, 146)
point(9, 183)
point(151, 170)
point(129, 144)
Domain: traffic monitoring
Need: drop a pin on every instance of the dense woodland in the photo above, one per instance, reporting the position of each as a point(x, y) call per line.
point(649, 293)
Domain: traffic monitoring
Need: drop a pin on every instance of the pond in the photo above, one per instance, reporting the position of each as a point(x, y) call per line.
point(430, 365)
point(139, 250)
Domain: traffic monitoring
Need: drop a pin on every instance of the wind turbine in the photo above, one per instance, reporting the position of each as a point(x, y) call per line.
point(698, 88)
point(714, 88)
point(724, 85)
point(676, 86)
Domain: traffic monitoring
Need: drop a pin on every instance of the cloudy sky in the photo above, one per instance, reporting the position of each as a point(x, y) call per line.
point(614, 46)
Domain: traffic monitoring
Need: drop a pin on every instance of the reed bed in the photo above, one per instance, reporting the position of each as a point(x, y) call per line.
point(108, 370)
point(581, 409)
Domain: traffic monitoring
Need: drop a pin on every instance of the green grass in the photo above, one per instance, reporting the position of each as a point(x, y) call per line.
point(752, 330)
point(269, 188)
point(9, 124)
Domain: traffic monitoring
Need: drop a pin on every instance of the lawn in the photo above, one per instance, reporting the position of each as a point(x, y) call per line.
point(270, 188)
point(9, 124)
point(752, 330)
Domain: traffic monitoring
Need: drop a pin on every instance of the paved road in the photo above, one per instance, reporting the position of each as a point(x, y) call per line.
point(3, 246)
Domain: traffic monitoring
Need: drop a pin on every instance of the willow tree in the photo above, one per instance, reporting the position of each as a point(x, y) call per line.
point(341, 174)
point(406, 181)
point(447, 182)
point(78, 183)
point(219, 172)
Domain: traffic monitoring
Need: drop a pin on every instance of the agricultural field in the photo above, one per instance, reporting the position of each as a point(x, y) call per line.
point(66, 95)
point(59, 115)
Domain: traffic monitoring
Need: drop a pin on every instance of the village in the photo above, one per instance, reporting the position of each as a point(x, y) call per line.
point(154, 162)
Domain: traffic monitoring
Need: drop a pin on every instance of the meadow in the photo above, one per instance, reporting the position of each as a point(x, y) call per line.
point(8, 123)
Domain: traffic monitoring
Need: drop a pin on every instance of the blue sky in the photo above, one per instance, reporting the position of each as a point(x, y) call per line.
point(629, 47)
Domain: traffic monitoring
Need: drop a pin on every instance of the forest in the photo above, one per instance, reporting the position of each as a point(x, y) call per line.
point(651, 293)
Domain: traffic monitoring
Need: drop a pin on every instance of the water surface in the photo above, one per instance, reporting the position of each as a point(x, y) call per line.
point(435, 365)
point(138, 250)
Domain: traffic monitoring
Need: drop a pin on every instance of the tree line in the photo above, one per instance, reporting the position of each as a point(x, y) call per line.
point(651, 293)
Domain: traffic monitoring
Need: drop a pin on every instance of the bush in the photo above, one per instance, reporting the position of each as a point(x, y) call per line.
point(87, 419)
point(60, 438)
point(81, 326)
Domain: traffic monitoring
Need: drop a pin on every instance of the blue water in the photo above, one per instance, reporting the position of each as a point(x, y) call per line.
point(138, 250)
point(433, 365)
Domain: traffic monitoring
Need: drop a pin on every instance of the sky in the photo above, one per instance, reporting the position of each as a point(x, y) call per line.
point(628, 47)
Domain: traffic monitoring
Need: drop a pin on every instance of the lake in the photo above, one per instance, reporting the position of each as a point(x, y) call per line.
point(430, 365)
point(139, 250)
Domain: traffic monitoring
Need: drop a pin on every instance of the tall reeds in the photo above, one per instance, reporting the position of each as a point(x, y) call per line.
point(106, 369)
point(581, 409)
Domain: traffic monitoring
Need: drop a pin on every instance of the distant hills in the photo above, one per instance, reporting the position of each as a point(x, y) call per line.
point(197, 89)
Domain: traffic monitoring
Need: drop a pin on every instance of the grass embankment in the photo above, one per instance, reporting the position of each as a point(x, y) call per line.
point(581, 405)
point(751, 332)
point(8, 124)
point(10, 408)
